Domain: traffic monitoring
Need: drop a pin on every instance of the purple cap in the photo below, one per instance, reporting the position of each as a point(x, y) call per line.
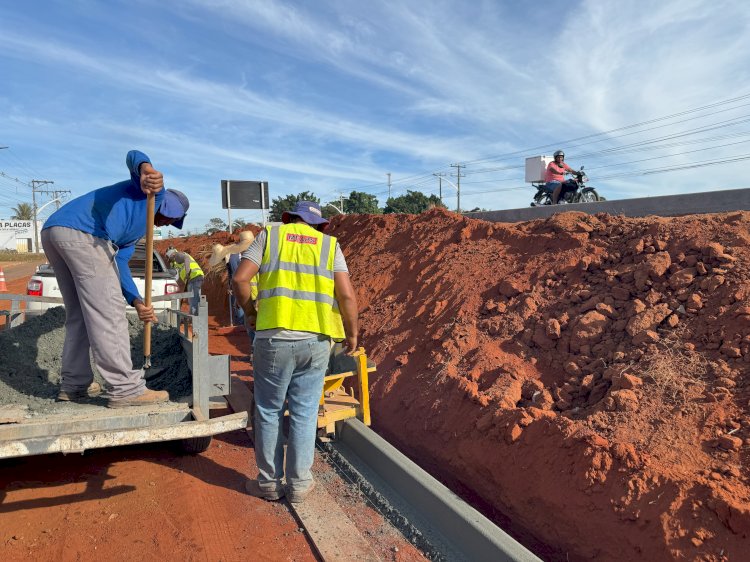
point(308, 211)
point(175, 206)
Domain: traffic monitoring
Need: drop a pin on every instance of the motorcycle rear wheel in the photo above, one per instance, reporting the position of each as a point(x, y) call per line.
point(541, 199)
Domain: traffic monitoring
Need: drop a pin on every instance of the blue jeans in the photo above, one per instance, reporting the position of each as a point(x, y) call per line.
point(290, 371)
point(567, 185)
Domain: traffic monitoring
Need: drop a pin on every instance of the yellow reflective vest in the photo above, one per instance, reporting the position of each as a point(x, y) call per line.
point(295, 284)
point(254, 288)
point(195, 269)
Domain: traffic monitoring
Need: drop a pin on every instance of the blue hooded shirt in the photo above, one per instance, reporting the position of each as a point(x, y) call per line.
point(116, 213)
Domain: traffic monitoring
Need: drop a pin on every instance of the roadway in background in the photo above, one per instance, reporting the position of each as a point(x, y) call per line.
point(664, 206)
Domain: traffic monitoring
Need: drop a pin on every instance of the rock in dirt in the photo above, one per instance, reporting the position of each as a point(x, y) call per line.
point(625, 400)
point(730, 442)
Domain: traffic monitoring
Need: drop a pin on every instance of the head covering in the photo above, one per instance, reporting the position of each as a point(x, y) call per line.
point(175, 206)
point(171, 252)
point(308, 211)
point(221, 253)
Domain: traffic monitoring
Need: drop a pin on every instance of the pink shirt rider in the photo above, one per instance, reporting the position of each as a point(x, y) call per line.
point(555, 172)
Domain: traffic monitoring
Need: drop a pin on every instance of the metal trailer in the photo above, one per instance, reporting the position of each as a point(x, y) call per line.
point(74, 428)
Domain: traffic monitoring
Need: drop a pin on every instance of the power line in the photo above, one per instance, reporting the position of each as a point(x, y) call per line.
point(640, 125)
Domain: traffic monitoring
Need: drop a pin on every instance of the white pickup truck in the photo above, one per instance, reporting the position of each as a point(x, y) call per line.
point(44, 284)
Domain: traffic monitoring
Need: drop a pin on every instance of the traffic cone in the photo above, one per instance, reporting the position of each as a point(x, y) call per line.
point(3, 286)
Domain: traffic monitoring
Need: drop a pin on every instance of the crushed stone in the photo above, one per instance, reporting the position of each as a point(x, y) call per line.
point(31, 363)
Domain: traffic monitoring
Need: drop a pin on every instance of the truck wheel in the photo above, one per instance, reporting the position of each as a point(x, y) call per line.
point(194, 445)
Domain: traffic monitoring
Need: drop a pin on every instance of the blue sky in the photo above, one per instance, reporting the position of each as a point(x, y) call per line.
point(332, 96)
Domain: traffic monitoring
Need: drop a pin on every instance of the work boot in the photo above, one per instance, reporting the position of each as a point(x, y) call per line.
point(146, 399)
point(253, 488)
point(295, 496)
point(81, 395)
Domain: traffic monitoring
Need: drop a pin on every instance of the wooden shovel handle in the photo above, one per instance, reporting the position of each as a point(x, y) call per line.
point(149, 262)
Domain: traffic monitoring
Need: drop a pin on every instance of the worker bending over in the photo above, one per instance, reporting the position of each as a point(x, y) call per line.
point(190, 276)
point(305, 300)
point(89, 242)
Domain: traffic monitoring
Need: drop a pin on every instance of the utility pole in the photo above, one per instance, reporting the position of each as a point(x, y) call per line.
point(440, 184)
point(458, 184)
point(34, 184)
point(389, 184)
point(56, 194)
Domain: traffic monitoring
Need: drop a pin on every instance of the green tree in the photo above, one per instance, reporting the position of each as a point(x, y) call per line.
point(281, 204)
point(414, 202)
point(215, 225)
point(24, 212)
point(364, 203)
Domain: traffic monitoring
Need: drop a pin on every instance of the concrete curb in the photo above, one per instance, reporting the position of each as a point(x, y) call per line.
point(470, 534)
point(663, 206)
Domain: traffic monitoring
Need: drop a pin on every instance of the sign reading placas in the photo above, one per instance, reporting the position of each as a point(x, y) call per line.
point(19, 227)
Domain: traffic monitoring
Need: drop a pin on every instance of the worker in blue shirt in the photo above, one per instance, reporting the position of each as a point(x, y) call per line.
point(89, 242)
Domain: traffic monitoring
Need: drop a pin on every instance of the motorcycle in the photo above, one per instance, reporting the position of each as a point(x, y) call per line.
point(581, 193)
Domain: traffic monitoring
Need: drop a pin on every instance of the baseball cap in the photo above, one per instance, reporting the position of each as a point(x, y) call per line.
point(308, 211)
point(175, 206)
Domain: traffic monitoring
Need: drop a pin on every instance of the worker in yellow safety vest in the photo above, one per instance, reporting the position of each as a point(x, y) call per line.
point(305, 300)
point(189, 276)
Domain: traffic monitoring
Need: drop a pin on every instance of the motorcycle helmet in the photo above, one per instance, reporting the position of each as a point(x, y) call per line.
point(559, 153)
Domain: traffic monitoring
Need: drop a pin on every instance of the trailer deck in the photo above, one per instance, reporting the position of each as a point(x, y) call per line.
point(74, 428)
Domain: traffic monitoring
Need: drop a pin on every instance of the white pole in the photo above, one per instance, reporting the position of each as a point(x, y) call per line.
point(263, 202)
point(229, 206)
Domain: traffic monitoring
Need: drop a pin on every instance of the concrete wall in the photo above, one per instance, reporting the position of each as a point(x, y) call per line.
point(665, 206)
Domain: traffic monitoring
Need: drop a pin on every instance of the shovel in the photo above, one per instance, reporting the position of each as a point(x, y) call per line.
point(149, 262)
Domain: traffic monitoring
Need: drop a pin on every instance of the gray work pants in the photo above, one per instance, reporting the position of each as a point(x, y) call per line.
point(194, 286)
point(95, 318)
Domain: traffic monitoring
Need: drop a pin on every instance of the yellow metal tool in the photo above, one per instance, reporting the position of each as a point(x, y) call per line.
point(336, 404)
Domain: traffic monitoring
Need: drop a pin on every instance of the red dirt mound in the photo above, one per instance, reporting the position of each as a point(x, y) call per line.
point(584, 376)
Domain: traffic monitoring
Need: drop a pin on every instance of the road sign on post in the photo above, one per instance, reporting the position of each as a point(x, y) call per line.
point(240, 194)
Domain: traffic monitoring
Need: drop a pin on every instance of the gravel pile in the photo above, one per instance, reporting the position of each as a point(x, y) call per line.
point(31, 360)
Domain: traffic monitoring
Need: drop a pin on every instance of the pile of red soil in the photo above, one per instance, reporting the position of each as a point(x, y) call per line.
point(586, 377)
point(582, 378)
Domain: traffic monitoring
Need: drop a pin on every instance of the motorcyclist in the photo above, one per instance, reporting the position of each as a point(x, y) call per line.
point(555, 177)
